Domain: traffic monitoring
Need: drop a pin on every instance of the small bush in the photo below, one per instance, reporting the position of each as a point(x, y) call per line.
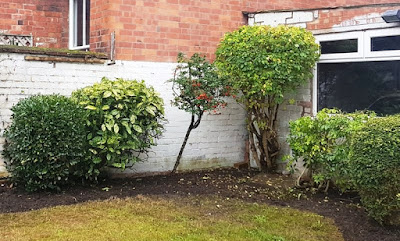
point(46, 141)
point(124, 119)
point(375, 165)
point(323, 143)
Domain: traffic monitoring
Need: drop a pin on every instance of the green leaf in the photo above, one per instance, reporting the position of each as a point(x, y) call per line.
point(109, 126)
point(150, 110)
point(118, 165)
point(137, 128)
point(116, 128)
point(127, 127)
point(130, 93)
point(97, 160)
point(106, 107)
point(133, 119)
point(90, 107)
point(115, 112)
point(107, 94)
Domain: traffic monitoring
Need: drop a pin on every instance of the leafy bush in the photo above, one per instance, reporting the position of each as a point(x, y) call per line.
point(375, 165)
point(262, 64)
point(124, 119)
point(46, 142)
point(197, 88)
point(357, 151)
point(323, 144)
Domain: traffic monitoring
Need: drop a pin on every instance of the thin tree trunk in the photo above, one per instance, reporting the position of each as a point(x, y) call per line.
point(264, 145)
point(193, 125)
point(254, 151)
point(268, 160)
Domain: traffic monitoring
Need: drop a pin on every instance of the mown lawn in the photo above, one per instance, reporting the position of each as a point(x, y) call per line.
point(155, 218)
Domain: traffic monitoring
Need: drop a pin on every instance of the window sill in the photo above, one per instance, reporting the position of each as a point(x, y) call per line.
point(56, 55)
point(85, 47)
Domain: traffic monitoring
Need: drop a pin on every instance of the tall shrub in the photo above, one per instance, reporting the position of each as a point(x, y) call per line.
point(264, 63)
point(46, 142)
point(124, 119)
point(197, 88)
point(375, 168)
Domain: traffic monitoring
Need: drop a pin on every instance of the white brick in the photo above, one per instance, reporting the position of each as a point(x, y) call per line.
point(273, 19)
point(300, 25)
point(316, 14)
point(300, 17)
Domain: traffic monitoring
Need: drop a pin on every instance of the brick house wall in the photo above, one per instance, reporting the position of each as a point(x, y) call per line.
point(157, 30)
point(46, 20)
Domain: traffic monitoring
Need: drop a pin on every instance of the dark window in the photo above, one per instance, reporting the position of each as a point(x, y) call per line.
point(339, 46)
point(87, 21)
point(385, 43)
point(79, 23)
point(360, 85)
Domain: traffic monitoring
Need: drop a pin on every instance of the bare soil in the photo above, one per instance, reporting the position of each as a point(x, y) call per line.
point(249, 186)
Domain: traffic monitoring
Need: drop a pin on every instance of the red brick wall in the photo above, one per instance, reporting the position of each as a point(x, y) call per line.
point(263, 5)
point(329, 18)
point(101, 25)
point(46, 20)
point(157, 30)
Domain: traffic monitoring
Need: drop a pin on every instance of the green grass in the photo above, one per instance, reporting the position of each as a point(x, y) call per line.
point(145, 218)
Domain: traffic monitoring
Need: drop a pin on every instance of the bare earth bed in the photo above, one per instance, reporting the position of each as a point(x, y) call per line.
point(248, 186)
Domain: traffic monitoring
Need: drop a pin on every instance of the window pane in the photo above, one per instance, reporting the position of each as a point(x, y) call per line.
point(385, 43)
point(339, 46)
point(87, 22)
point(79, 23)
point(359, 86)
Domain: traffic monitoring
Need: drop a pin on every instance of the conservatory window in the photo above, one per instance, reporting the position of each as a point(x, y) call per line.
point(359, 71)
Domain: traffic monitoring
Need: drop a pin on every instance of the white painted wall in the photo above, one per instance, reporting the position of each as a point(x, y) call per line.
point(219, 140)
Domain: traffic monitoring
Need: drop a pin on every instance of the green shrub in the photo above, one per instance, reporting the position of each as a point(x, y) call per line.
point(124, 119)
point(262, 64)
point(323, 144)
point(46, 142)
point(375, 165)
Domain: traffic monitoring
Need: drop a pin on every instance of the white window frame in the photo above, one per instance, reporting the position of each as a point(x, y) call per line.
point(342, 36)
point(73, 21)
point(364, 54)
point(380, 33)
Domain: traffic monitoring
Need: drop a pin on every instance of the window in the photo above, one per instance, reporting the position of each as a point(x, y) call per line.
point(341, 45)
point(79, 24)
point(359, 71)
